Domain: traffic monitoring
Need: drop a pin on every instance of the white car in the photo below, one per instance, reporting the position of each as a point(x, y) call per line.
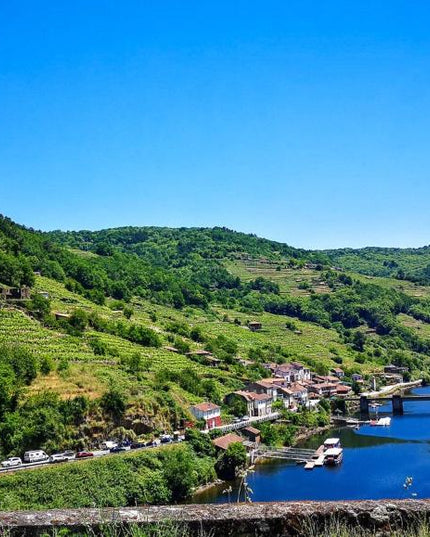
point(11, 461)
point(59, 457)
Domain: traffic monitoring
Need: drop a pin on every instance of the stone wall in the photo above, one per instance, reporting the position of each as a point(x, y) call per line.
point(278, 519)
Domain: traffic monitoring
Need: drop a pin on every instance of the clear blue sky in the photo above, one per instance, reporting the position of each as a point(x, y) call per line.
point(303, 121)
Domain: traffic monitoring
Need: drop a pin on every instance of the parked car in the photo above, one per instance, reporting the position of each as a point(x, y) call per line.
point(108, 445)
point(84, 454)
point(166, 438)
point(11, 462)
point(58, 457)
point(119, 449)
point(137, 445)
point(236, 420)
point(35, 455)
point(245, 418)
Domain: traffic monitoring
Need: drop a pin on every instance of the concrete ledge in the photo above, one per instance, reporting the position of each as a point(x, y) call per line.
point(279, 519)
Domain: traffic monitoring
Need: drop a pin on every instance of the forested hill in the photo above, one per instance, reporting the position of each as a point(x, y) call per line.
point(178, 247)
point(402, 263)
point(105, 309)
point(173, 247)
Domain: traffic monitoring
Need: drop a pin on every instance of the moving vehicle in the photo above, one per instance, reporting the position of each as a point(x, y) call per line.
point(84, 454)
point(35, 455)
point(11, 462)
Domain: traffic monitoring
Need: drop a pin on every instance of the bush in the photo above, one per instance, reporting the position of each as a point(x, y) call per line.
point(233, 459)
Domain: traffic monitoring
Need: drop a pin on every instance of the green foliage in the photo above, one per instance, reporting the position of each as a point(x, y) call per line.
point(233, 459)
point(114, 403)
point(201, 443)
point(155, 477)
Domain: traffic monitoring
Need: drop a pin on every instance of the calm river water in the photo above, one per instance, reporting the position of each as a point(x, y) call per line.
point(376, 462)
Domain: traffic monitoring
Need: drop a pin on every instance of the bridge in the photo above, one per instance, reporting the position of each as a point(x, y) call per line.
point(396, 401)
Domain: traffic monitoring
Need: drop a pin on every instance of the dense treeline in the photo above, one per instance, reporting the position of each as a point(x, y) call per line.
point(155, 477)
point(411, 264)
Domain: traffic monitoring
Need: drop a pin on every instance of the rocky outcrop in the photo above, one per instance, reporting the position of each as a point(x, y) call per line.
point(286, 519)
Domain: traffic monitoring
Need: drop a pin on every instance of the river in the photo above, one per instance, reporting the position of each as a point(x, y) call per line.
point(376, 462)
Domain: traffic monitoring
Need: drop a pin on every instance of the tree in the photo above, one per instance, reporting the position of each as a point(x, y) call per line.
point(78, 320)
point(233, 459)
point(113, 402)
point(358, 341)
point(200, 442)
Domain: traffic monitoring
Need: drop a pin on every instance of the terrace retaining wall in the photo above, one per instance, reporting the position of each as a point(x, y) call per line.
point(278, 519)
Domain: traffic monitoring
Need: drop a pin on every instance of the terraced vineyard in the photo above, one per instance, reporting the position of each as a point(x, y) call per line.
point(18, 328)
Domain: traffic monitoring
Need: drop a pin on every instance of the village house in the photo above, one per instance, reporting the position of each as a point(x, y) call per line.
point(338, 372)
point(287, 397)
point(257, 404)
point(324, 389)
point(342, 390)
point(318, 379)
point(395, 370)
point(223, 442)
point(254, 326)
point(264, 386)
point(252, 434)
point(14, 293)
point(271, 366)
point(299, 392)
point(356, 377)
point(209, 412)
point(293, 372)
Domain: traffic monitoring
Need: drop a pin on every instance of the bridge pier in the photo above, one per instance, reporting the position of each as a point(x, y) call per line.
point(397, 405)
point(364, 405)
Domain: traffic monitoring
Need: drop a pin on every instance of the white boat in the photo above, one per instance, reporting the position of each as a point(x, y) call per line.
point(384, 422)
point(331, 443)
point(333, 456)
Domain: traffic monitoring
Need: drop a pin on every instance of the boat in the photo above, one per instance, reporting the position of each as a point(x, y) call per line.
point(331, 443)
point(333, 456)
point(384, 422)
point(381, 422)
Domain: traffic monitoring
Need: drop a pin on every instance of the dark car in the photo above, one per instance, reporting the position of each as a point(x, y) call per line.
point(119, 449)
point(137, 445)
point(84, 454)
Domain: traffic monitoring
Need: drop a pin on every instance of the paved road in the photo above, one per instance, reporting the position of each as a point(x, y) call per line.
point(97, 453)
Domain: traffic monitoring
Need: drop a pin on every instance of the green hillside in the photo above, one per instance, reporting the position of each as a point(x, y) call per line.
point(85, 356)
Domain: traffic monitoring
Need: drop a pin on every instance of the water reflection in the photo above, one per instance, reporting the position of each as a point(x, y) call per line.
point(376, 462)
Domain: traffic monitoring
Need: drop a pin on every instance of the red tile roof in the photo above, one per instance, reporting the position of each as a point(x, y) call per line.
point(206, 407)
point(251, 430)
point(224, 441)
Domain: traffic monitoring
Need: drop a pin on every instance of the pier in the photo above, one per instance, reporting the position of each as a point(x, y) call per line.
point(293, 454)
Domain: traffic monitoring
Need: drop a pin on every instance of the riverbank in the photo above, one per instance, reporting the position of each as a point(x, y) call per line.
point(308, 433)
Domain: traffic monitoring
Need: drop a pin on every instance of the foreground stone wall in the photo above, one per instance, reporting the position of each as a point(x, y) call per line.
point(278, 519)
